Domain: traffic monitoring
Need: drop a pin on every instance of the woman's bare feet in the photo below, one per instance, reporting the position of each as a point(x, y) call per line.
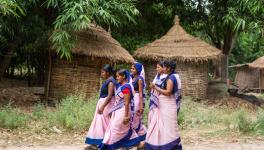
point(91, 147)
point(141, 146)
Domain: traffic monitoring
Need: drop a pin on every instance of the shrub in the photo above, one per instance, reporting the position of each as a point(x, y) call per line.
point(38, 111)
point(74, 112)
point(12, 118)
point(244, 123)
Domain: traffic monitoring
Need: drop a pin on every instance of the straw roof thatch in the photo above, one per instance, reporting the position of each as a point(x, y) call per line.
point(178, 45)
point(239, 65)
point(96, 42)
point(258, 63)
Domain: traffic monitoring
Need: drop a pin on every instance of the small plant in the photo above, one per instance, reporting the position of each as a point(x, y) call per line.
point(261, 96)
point(244, 123)
point(12, 118)
point(259, 123)
point(181, 117)
point(38, 111)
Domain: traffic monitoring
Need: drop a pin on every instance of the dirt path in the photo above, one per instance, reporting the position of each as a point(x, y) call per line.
point(256, 145)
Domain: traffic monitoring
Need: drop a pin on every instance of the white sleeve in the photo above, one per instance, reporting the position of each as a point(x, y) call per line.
point(155, 79)
point(178, 81)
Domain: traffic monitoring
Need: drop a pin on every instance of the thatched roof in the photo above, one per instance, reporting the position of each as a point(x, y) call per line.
point(239, 65)
point(96, 42)
point(178, 45)
point(258, 63)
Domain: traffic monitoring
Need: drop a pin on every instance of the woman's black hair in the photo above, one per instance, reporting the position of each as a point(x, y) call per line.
point(123, 72)
point(161, 63)
point(171, 65)
point(109, 69)
point(167, 64)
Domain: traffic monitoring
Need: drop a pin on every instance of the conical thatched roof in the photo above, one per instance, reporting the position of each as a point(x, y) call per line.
point(258, 63)
point(178, 45)
point(96, 42)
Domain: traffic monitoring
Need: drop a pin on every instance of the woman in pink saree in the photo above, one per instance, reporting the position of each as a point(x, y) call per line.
point(120, 133)
point(138, 82)
point(163, 130)
point(101, 119)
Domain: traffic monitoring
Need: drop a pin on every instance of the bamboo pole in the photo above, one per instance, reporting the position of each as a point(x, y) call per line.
point(260, 79)
point(49, 74)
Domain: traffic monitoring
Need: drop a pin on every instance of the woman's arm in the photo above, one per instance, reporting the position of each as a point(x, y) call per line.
point(168, 90)
point(108, 98)
point(127, 101)
point(140, 91)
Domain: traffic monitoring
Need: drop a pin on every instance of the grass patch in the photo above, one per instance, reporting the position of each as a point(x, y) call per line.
point(38, 111)
point(258, 125)
point(12, 118)
point(197, 115)
point(74, 112)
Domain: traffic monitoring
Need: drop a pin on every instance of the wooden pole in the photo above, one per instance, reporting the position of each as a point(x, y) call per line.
point(260, 79)
point(49, 74)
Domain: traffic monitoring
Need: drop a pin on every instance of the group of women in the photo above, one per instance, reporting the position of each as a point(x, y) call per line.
point(118, 118)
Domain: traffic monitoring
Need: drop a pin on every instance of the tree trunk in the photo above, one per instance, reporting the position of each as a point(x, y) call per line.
point(4, 64)
point(224, 68)
point(228, 46)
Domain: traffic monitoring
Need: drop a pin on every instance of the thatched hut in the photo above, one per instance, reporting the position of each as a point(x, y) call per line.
point(191, 54)
point(246, 77)
point(251, 75)
point(94, 47)
point(259, 65)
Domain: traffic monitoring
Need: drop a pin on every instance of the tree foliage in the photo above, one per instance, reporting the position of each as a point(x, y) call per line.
point(10, 7)
point(78, 15)
point(27, 27)
point(24, 39)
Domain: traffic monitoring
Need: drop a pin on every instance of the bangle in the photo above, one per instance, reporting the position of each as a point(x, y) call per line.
point(126, 118)
point(158, 89)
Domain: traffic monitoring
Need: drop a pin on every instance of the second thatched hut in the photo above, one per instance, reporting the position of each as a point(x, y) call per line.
point(191, 54)
point(94, 48)
point(246, 77)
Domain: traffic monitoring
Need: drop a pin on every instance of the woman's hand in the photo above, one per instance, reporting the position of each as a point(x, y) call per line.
point(101, 110)
point(152, 85)
point(126, 120)
point(140, 111)
point(110, 115)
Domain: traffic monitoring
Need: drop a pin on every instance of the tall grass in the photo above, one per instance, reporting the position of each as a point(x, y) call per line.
point(38, 111)
point(74, 112)
point(258, 125)
point(12, 118)
point(197, 115)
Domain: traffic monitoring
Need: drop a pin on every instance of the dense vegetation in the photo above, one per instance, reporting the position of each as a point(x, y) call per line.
point(75, 114)
point(30, 28)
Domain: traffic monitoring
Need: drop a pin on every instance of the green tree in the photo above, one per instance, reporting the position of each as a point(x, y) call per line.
point(78, 15)
point(24, 39)
point(9, 7)
point(223, 20)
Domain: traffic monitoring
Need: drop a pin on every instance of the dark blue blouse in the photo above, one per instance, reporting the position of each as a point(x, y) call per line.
point(104, 87)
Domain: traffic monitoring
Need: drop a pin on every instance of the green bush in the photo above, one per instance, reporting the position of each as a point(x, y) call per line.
point(38, 111)
point(244, 123)
point(259, 123)
point(74, 112)
point(12, 118)
point(181, 117)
